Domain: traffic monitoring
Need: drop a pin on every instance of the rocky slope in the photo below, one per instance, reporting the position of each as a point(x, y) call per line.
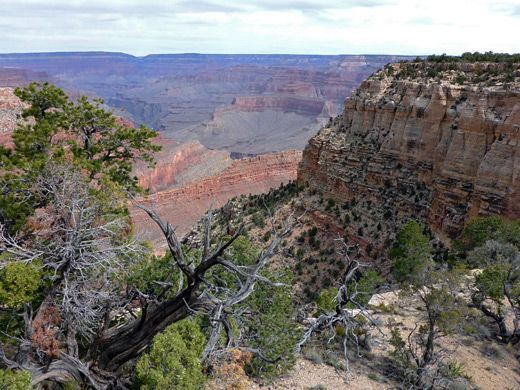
point(178, 163)
point(434, 142)
point(184, 206)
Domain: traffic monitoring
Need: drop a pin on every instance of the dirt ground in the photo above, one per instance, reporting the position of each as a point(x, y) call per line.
point(488, 364)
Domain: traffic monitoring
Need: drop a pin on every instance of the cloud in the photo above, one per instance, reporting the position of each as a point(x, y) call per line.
point(514, 11)
point(260, 26)
point(190, 6)
point(317, 5)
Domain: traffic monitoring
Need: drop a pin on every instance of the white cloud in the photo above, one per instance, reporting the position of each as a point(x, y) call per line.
point(261, 26)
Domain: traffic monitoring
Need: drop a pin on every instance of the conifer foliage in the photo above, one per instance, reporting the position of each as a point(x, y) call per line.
point(80, 297)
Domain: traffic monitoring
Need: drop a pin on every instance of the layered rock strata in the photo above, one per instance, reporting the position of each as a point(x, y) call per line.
point(178, 163)
point(432, 149)
point(184, 206)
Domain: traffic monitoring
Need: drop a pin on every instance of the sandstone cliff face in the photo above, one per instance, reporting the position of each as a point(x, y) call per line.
point(437, 151)
point(178, 163)
point(184, 206)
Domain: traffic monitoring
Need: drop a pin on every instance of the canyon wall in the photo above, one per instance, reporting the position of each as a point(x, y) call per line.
point(10, 109)
point(184, 206)
point(178, 163)
point(438, 146)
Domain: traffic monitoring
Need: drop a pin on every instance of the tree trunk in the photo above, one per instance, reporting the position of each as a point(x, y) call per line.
point(126, 342)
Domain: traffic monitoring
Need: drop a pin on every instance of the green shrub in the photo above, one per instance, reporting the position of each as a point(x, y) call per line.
point(410, 249)
point(314, 356)
point(174, 359)
point(15, 380)
point(326, 299)
point(19, 283)
point(271, 329)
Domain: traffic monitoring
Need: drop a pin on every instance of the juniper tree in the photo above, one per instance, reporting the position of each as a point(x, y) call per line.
point(72, 308)
point(81, 134)
point(437, 288)
point(495, 249)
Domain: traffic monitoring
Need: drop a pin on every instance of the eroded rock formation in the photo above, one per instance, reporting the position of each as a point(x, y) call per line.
point(186, 205)
point(178, 163)
point(430, 147)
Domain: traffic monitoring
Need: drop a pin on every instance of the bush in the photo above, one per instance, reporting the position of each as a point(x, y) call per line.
point(410, 249)
point(271, 328)
point(258, 220)
point(174, 359)
point(230, 374)
point(15, 380)
point(314, 356)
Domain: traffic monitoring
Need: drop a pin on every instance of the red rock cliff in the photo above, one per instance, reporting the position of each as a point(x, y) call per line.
point(443, 149)
point(180, 162)
point(186, 205)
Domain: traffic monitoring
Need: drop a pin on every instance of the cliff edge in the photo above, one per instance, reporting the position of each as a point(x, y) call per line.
point(433, 141)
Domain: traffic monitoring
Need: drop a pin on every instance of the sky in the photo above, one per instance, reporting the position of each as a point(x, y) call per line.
point(141, 27)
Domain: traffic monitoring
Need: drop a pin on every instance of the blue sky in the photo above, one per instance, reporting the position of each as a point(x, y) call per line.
point(261, 26)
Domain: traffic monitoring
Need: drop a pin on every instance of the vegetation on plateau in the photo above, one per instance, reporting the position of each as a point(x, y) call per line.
point(495, 70)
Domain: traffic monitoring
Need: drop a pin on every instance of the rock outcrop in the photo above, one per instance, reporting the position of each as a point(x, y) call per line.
point(178, 163)
point(439, 146)
point(10, 108)
point(184, 206)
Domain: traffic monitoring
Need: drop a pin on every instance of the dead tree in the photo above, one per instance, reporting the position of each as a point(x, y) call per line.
point(87, 257)
point(195, 292)
point(350, 311)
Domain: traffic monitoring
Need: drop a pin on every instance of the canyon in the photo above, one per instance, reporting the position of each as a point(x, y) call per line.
point(433, 142)
point(245, 104)
point(188, 178)
point(182, 207)
point(442, 149)
point(212, 113)
point(427, 141)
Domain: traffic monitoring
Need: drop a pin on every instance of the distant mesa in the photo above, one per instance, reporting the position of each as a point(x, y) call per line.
point(184, 96)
